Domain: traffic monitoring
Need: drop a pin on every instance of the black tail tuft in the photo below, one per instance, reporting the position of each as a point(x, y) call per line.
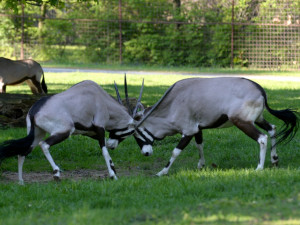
point(291, 124)
point(44, 86)
point(17, 147)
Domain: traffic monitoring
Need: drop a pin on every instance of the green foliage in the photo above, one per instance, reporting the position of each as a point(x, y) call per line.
point(156, 33)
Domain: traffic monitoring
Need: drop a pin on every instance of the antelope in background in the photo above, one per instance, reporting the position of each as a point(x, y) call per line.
point(16, 72)
point(195, 104)
point(84, 109)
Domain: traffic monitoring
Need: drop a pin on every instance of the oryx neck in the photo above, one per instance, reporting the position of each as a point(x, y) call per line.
point(155, 106)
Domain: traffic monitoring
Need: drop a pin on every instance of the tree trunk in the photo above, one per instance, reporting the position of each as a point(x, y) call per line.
point(177, 8)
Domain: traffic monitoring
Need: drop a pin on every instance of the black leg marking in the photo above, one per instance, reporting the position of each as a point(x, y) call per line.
point(56, 178)
point(264, 125)
point(37, 85)
point(185, 140)
point(100, 135)
point(199, 137)
point(112, 166)
point(247, 127)
point(57, 138)
point(168, 164)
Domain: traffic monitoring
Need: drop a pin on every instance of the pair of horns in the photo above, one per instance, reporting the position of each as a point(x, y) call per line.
point(138, 104)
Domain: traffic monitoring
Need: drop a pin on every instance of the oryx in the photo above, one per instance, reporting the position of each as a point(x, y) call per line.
point(84, 109)
point(16, 72)
point(192, 105)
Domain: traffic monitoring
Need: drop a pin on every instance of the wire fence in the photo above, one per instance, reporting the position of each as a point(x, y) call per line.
point(260, 34)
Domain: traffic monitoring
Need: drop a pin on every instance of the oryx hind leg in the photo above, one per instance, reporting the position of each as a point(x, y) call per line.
point(2, 88)
point(249, 129)
point(100, 136)
point(39, 134)
point(200, 145)
point(35, 86)
point(50, 141)
point(271, 129)
point(185, 140)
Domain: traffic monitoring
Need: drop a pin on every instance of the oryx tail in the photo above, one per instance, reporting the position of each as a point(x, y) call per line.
point(18, 146)
point(44, 86)
point(291, 123)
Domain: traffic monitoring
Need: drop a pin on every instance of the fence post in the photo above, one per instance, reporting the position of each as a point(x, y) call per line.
point(120, 32)
point(22, 32)
point(232, 34)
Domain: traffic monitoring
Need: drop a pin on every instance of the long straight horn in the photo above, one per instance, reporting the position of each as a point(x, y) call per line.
point(139, 100)
point(118, 94)
point(126, 96)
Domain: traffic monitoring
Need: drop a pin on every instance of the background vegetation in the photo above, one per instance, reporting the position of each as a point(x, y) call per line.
point(228, 191)
point(155, 32)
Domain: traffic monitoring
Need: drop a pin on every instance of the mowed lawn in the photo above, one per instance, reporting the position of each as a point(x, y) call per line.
point(227, 191)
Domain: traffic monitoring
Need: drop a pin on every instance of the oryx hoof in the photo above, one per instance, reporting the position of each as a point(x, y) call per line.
point(56, 175)
point(115, 177)
point(21, 182)
point(201, 167)
point(161, 173)
point(56, 178)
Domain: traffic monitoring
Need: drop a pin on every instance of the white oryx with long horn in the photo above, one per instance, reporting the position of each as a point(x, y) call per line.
point(84, 109)
point(16, 72)
point(192, 105)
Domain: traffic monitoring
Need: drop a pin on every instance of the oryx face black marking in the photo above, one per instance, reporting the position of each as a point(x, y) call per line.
point(192, 105)
point(145, 140)
point(116, 136)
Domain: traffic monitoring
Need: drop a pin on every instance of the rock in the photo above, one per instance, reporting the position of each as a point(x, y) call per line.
point(14, 108)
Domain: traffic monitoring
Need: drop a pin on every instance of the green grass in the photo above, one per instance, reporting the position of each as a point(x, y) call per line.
point(228, 191)
point(172, 69)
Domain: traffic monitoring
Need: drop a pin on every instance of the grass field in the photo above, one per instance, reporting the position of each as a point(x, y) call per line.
point(228, 191)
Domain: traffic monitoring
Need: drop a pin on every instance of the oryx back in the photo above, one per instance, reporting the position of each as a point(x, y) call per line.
point(81, 107)
point(208, 103)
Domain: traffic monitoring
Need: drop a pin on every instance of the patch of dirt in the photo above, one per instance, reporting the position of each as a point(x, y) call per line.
point(40, 177)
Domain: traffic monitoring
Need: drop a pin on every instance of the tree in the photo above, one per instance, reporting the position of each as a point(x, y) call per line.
point(13, 4)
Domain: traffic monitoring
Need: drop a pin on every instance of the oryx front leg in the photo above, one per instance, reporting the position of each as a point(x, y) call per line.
point(176, 152)
point(109, 163)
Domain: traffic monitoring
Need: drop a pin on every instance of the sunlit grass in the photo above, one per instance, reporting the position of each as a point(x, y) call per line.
point(173, 69)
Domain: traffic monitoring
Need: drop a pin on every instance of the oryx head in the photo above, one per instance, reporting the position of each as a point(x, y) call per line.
point(118, 135)
point(143, 136)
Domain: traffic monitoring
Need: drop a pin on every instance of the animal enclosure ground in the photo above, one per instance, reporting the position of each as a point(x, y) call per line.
point(74, 175)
